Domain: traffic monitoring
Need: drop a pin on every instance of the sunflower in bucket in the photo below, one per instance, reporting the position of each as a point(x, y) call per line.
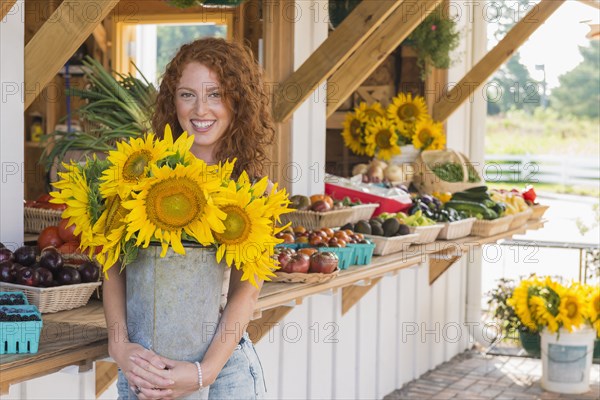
point(153, 190)
point(377, 132)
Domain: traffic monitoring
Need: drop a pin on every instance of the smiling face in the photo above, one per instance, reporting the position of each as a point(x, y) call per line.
point(201, 109)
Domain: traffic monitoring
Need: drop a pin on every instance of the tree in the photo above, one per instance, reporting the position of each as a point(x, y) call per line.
point(579, 89)
point(511, 86)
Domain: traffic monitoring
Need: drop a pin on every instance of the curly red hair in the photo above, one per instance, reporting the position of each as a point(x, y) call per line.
point(252, 128)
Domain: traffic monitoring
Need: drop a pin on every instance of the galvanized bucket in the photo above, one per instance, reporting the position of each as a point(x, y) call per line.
point(173, 303)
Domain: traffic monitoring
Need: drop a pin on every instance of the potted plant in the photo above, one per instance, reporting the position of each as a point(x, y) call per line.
point(403, 128)
point(510, 324)
point(565, 316)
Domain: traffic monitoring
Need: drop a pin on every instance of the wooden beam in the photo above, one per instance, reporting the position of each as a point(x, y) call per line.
point(375, 50)
point(345, 39)
point(440, 262)
point(479, 74)
point(352, 294)
point(56, 41)
point(591, 3)
point(106, 374)
point(100, 38)
point(6, 6)
point(258, 328)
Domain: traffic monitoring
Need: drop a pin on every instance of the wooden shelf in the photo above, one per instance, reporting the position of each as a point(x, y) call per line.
point(79, 337)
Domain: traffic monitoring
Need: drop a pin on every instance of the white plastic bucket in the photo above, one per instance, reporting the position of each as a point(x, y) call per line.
point(567, 360)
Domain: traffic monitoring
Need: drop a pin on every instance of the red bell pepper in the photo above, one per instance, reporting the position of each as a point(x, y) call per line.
point(529, 194)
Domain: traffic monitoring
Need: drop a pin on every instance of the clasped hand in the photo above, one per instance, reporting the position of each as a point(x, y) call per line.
point(152, 376)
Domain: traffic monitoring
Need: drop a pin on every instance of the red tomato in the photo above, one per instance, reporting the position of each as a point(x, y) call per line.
point(52, 206)
point(49, 237)
point(44, 198)
point(70, 248)
point(66, 233)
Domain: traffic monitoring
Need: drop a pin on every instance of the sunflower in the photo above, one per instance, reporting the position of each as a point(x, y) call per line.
point(571, 310)
point(130, 163)
point(370, 113)
point(594, 304)
point(382, 139)
point(519, 301)
point(428, 135)
point(173, 201)
point(406, 111)
point(180, 148)
point(541, 314)
point(74, 191)
point(110, 228)
point(353, 132)
point(248, 234)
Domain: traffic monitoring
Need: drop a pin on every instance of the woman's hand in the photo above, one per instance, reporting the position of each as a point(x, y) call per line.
point(143, 368)
point(183, 375)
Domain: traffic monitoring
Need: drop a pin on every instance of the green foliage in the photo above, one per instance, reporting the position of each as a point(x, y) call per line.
point(499, 309)
point(579, 90)
point(433, 41)
point(512, 87)
point(172, 37)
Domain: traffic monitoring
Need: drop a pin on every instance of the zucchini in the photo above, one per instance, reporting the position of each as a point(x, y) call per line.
point(472, 208)
point(477, 189)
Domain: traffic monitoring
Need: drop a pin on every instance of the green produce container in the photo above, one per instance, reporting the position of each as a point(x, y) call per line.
point(345, 254)
point(363, 253)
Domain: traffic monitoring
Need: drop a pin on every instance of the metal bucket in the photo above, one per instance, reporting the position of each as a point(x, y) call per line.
point(173, 303)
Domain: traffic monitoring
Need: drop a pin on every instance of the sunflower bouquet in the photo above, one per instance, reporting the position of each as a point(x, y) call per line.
point(377, 132)
point(549, 304)
point(156, 190)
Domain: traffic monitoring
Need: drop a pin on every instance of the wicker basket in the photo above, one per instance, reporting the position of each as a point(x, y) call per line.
point(427, 234)
point(54, 299)
point(330, 219)
point(538, 211)
point(38, 219)
point(456, 229)
point(428, 182)
point(297, 277)
point(389, 245)
point(520, 219)
point(486, 228)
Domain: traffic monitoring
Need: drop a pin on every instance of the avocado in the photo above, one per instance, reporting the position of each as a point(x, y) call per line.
point(349, 225)
point(403, 230)
point(376, 229)
point(300, 202)
point(363, 227)
point(390, 227)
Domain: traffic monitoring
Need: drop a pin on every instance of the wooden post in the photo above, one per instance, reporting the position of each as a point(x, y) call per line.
point(495, 58)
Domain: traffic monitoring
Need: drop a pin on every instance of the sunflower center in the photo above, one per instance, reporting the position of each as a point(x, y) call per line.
point(597, 304)
point(237, 226)
point(383, 139)
point(424, 135)
point(407, 112)
point(174, 203)
point(355, 128)
point(136, 164)
point(571, 309)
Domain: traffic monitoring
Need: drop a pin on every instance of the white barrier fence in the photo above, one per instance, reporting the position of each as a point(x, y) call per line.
point(564, 170)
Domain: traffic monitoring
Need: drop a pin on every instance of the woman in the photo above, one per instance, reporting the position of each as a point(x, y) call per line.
point(213, 90)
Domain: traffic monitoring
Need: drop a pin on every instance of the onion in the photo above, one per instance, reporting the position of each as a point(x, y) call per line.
point(360, 169)
point(399, 173)
point(378, 163)
point(375, 174)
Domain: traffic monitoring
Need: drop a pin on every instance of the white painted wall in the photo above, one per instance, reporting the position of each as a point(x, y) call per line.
point(12, 153)
point(400, 329)
point(309, 121)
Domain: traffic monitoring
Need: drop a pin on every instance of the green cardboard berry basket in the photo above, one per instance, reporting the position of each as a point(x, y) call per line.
point(345, 255)
point(363, 253)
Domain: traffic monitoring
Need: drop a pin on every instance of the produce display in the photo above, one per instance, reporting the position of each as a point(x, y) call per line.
point(433, 208)
point(12, 314)
point(513, 200)
point(317, 202)
point(27, 266)
point(292, 261)
point(12, 299)
point(378, 171)
point(324, 237)
point(62, 237)
point(43, 202)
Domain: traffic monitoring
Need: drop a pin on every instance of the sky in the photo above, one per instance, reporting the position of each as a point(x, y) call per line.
point(555, 44)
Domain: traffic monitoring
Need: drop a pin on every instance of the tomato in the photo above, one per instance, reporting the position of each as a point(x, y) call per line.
point(70, 248)
point(49, 237)
point(316, 197)
point(44, 198)
point(66, 233)
point(52, 206)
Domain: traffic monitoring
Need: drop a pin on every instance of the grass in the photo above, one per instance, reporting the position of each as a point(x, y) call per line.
point(544, 132)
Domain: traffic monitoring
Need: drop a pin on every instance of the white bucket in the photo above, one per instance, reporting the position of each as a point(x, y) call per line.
point(567, 360)
point(408, 154)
